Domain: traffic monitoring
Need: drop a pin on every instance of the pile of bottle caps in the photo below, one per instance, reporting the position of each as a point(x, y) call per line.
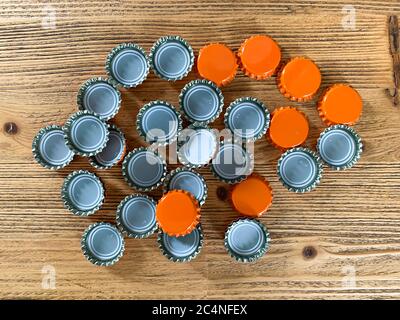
point(177, 214)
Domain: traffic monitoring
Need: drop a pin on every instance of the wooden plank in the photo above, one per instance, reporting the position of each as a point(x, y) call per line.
point(349, 225)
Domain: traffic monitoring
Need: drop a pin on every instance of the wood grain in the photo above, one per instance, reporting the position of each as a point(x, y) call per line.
point(351, 221)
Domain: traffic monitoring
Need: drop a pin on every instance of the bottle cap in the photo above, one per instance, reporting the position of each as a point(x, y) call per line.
point(189, 180)
point(82, 193)
point(49, 148)
point(246, 240)
point(178, 213)
point(217, 63)
point(201, 101)
point(339, 146)
point(99, 96)
point(102, 244)
point(259, 57)
point(158, 122)
point(127, 64)
point(299, 79)
point(299, 169)
point(247, 118)
point(340, 104)
point(198, 146)
point(232, 163)
point(85, 133)
point(171, 58)
point(252, 197)
point(144, 169)
point(114, 151)
point(136, 216)
point(289, 128)
point(181, 249)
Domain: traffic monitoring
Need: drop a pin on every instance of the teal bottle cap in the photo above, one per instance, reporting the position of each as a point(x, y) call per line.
point(158, 122)
point(102, 244)
point(82, 193)
point(85, 133)
point(247, 118)
point(201, 101)
point(197, 146)
point(247, 240)
point(339, 146)
point(127, 64)
point(114, 151)
point(49, 148)
point(136, 216)
point(99, 96)
point(171, 58)
point(144, 169)
point(232, 163)
point(299, 169)
point(181, 249)
point(189, 180)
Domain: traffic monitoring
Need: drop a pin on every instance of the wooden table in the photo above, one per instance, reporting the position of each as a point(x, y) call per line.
point(340, 241)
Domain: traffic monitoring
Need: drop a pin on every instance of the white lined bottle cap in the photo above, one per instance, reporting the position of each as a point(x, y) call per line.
point(85, 133)
point(171, 58)
point(189, 180)
point(299, 169)
point(49, 148)
point(136, 216)
point(82, 193)
point(247, 118)
point(128, 65)
point(102, 244)
point(114, 151)
point(144, 169)
point(339, 146)
point(99, 96)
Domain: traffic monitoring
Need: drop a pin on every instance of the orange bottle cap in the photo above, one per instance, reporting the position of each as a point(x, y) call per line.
point(259, 56)
point(340, 104)
point(217, 63)
point(299, 79)
point(289, 128)
point(252, 197)
point(177, 213)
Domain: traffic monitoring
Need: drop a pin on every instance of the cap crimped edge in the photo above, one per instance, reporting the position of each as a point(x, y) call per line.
point(267, 184)
point(161, 41)
point(92, 160)
point(125, 168)
point(188, 258)
point(358, 146)
point(172, 173)
point(213, 86)
point(231, 77)
point(140, 116)
point(90, 82)
point(317, 161)
point(282, 88)
point(267, 74)
point(66, 129)
point(122, 228)
point(255, 256)
point(251, 100)
point(87, 253)
point(36, 153)
point(115, 51)
point(320, 107)
point(240, 178)
point(65, 197)
point(183, 160)
point(277, 110)
point(195, 222)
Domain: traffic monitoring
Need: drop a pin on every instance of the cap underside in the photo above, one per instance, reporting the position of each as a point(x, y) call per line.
point(246, 239)
point(138, 215)
point(113, 150)
point(52, 148)
point(172, 59)
point(181, 247)
point(188, 181)
point(104, 242)
point(201, 103)
point(298, 169)
point(337, 147)
point(145, 169)
point(231, 162)
point(85, 192)
point(129, 67)
point(88, 133)
point(199, 148)
point(159, 123)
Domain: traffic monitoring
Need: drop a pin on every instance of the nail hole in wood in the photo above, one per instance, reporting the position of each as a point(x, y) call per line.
point(10, 128)
point(309, 252)
point(222, 193)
